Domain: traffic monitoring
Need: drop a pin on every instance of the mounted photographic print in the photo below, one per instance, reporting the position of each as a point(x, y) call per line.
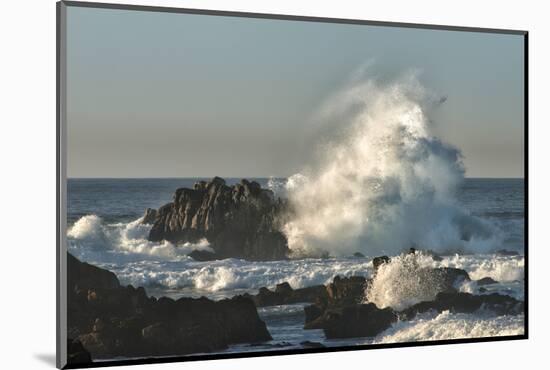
point(237, 184)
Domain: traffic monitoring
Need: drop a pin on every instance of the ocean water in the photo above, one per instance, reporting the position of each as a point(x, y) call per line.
point(104, 229)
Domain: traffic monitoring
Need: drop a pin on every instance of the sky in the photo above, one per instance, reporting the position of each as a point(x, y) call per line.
point(179, 95)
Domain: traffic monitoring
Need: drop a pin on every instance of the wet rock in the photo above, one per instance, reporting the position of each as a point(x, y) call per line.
point(347, 289)
point(486, 281)
point(379, 261)
point(358, 255)
point(284, 294)
point(123, 321)
point(359, 320)
point(201, 255)
point(467, 303)
point(239, 221)
point(149, 216)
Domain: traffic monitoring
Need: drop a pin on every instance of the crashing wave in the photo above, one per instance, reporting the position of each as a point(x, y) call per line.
point(385, 183)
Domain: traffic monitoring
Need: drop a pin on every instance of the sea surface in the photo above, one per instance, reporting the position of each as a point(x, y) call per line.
point(104, 229)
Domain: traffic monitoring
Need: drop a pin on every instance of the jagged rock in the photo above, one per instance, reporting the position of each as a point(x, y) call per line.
point(486, 281)
point(149, 216)
point(284, 294)
point(199, 255)
point(467, 303)
point(111, 320)
point(239, 221)
point(379, 261)
point(347, 291)
point(358, 320)
point(76, 353)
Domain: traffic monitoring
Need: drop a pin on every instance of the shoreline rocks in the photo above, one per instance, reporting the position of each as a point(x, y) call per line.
point(239, 221)
point(109, 320)
point(284, 294)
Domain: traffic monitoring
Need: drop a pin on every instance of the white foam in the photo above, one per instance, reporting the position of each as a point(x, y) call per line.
point(385, 182)
point(400, 284)
point(91, 239)
point(451, 326)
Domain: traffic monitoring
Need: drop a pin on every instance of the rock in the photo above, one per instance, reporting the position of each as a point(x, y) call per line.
point(239, 221)
point(201, 255)
point(347, 289)
point(312, 313)
point(379, 261)
point(466, 303)
point(450, 277)
point(486, 281)
point(482, 290)
point(358, 255)
point(83, 276)
point(76, 353)
point(110, 320)
point(358, 320)
point(149, 217)
point(284, 294)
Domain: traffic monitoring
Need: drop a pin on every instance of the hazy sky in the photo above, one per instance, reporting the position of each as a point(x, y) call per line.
point(177, 95)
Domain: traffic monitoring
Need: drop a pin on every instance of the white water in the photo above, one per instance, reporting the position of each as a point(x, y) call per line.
point(165, 269)
point(91, 239)
point(386, 183)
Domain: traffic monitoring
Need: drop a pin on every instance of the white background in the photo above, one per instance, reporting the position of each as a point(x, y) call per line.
point(27, 111)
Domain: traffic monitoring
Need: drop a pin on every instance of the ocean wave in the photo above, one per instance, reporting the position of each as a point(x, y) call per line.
point(384, 183)
point(124, 249)
point(90, 238)
point(447, 325)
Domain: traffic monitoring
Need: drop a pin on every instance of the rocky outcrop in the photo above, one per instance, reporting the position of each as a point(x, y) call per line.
point(486, 281)
point(284, 294)
point(359, 320)
point(149, 216)
point(110, 320)
point(239, 221)
point(466, 303)
point(341, 293)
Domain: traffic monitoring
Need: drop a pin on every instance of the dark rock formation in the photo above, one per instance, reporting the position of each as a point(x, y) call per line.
point(111, 320)
point(379, 261)
point(284, 294)
point(358, 255)
point(239, 221)
point(486, 281)
point(448, 277)
point(149, 217)
point(341, 296)
point(467, 303)
point(199, 255)
point(77, 354)
point(360, 320)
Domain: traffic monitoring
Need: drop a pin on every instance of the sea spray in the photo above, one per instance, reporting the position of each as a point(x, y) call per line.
point(90, 238)
point(385, 184)
point(404, 281)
